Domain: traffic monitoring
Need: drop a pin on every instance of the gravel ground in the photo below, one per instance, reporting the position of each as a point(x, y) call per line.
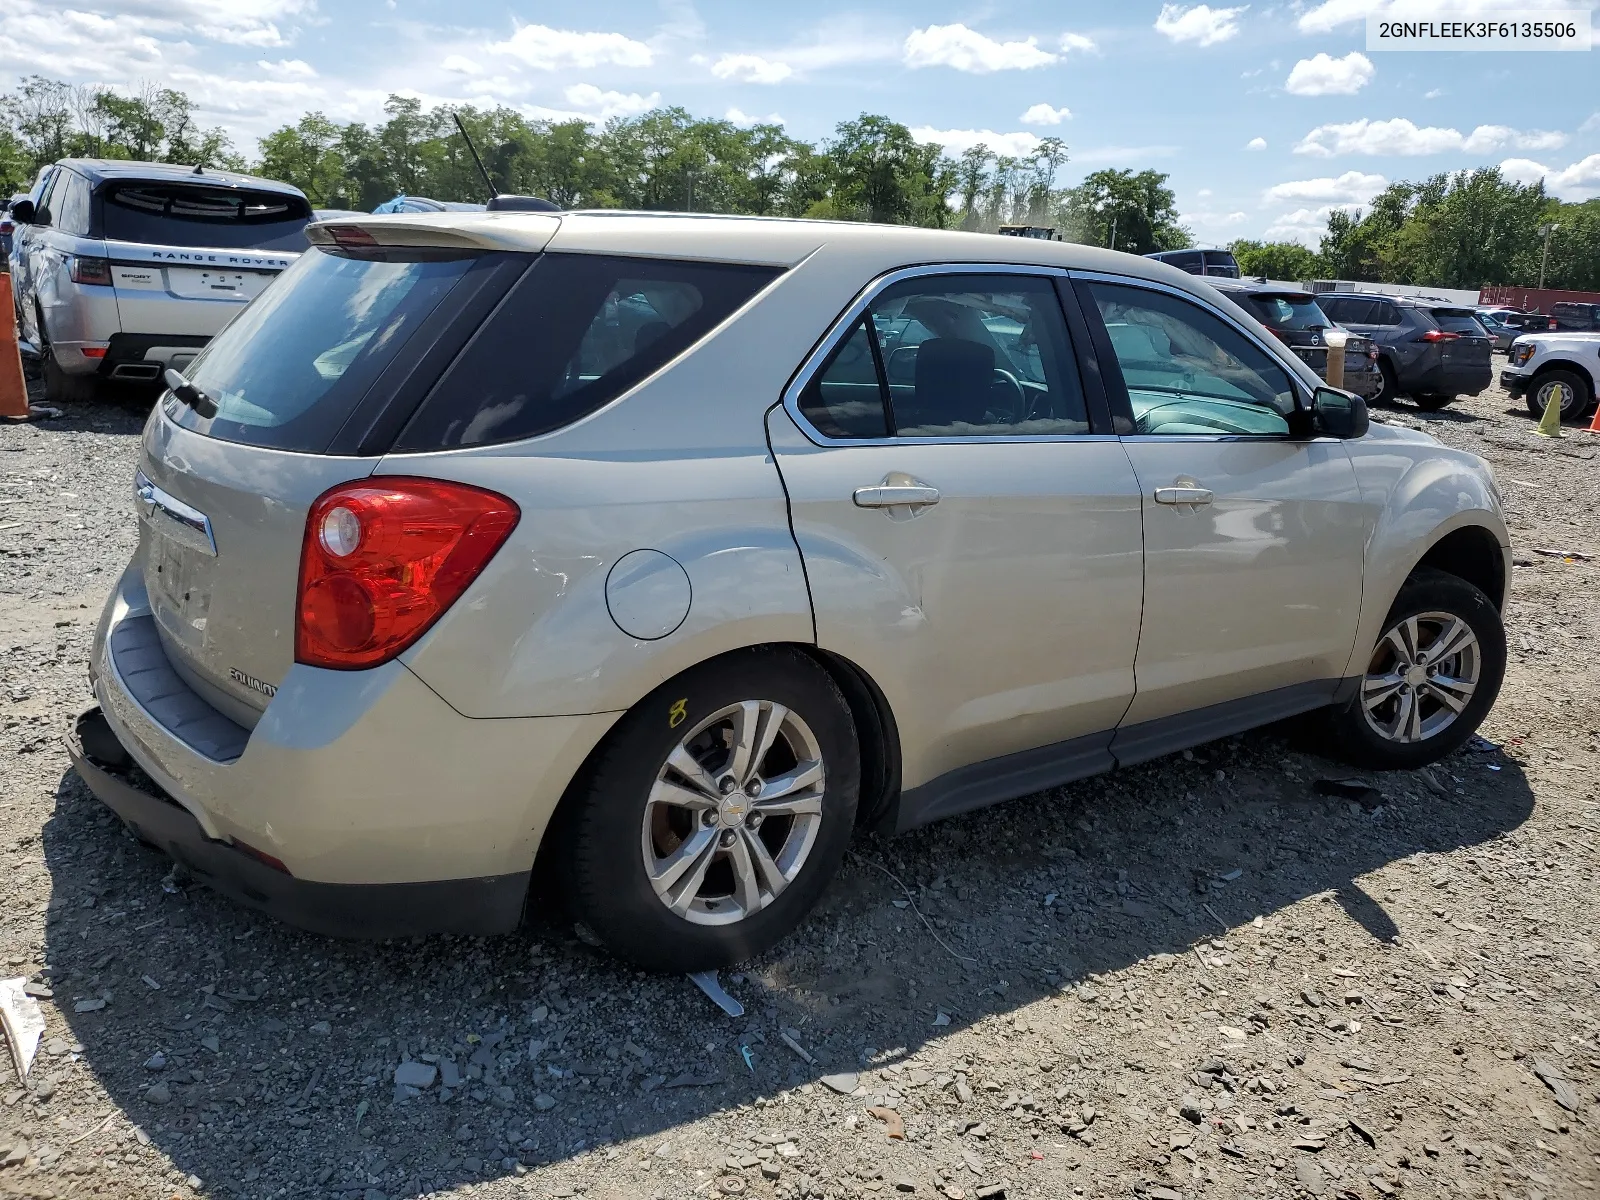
point(1201, 977)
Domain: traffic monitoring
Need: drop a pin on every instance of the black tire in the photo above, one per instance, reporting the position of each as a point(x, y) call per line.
point(60, 387)
point(1432, 403)
point(601, 848)
point(1390, 392)
point(1353, 735)
point(1576, 401)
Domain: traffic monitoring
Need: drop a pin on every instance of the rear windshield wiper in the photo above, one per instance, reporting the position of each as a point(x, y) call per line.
point(202, 404)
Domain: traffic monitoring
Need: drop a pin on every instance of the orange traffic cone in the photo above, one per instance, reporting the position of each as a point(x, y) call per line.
point(13, 389)
point(1594, 425)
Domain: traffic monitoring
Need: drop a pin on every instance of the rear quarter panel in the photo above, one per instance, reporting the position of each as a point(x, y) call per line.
point(1420, 492)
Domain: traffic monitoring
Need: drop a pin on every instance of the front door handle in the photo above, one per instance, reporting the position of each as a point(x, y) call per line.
point(1183, 495)
point(887, 495)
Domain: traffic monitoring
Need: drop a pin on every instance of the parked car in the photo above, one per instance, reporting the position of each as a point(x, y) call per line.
point(1431, 352)
point(7, 223)
point(1296, 320)
point(688, 603)
point(1575, 317)
point(421, 204)
point(127, 268)
point(1219, 264)
point(1542, 364)
point(1502, 325)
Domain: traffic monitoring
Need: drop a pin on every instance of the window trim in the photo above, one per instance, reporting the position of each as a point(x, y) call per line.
point(845, 323)
point(1117, 390)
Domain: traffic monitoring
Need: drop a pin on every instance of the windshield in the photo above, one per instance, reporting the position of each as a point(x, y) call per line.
point(1289, 312)
point(289, 369)
point(183, 214)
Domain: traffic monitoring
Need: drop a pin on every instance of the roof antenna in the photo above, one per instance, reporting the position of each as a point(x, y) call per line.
point(489, 183)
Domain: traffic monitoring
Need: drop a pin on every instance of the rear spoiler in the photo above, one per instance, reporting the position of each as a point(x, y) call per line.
point(528, 232)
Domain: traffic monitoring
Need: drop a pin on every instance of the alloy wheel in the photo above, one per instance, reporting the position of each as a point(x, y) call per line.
point(734, 813)
point(1423, 674)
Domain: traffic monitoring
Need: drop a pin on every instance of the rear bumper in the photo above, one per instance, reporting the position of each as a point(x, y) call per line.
point(492, 904)
point(350, 779)
point(1450, 381)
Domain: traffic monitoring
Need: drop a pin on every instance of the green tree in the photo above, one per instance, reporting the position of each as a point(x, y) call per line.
point(1276, 260)
point(1137, 210)
point(306, 154)
point(1574, 247)
point(882, 173)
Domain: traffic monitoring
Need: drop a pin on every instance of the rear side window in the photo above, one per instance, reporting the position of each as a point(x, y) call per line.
point(575, 333)
point(183, 214)
point(290, 369)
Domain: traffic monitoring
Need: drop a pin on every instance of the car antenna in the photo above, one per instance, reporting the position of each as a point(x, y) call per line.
point(494, 192)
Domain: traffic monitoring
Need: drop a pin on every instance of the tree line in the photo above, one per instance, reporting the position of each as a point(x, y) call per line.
point(1465, 229)
point(872, 168)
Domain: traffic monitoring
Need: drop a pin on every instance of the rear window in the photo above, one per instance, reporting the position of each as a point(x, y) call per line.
point(1288, 312)
point(1458, 320)
point(1221, 264)
point(576, 332)
point(183, 214)
point(290, 369)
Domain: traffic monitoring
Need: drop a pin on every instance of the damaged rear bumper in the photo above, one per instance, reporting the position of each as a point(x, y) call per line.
point(486, 905)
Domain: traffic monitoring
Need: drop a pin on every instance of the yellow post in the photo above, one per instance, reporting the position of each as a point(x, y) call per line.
point(1336, 339)
point(1550, 423)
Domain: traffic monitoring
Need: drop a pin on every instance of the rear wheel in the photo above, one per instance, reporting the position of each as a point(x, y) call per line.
point(60, 387)
point(1431, 679)
point(716, 813)
point(1432, 403)
point(1574, 394)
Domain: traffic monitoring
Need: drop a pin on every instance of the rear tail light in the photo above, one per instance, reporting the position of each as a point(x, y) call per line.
point(1437, 335)
point(1552, 323)
point(91, 270)
point(93, 351)
point(383, 559)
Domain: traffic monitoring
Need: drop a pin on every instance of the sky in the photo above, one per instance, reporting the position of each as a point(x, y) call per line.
point(1266, 116)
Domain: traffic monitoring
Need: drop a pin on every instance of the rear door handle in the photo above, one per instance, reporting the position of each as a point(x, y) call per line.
point(887, 495)
point(1183, 495)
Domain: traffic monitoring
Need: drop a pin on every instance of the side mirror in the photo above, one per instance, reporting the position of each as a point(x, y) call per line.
point(22, 212)
point(1339, 413)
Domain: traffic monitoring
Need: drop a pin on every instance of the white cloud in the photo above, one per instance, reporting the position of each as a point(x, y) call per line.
point(1352, 187)
point(968, 50)
point(1580, 181)
point(751, 68)
point(461, 65)
point(744, 118)
point(547, 49)
point(1017, 145)
point(590, 99)
point(1401, 137)
point(1304, 225)
point(288, 66)
point(1044, 114)
point(1200, 23)
point(1256, 143)
point(1325, 75)
point(1203, 193)
point(1433, 93)
point(1076, 41)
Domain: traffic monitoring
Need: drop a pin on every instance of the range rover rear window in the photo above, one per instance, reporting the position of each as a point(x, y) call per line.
point(183, 214)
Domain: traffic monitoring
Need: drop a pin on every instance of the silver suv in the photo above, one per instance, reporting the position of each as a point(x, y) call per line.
point(664, 551)
point(122, 269)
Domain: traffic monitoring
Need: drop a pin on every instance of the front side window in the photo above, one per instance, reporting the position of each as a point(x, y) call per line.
point(953, 356)
point(575, 333)
point(1188, 371)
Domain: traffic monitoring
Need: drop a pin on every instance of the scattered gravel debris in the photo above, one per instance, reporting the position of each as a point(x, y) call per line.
point(1240, 971)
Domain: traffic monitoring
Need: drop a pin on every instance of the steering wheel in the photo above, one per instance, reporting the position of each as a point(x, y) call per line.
point(1005, 380)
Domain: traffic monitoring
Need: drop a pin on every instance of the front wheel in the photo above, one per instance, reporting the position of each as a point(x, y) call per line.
point(716, 813)
point(1574, 395)
point(1431, 679)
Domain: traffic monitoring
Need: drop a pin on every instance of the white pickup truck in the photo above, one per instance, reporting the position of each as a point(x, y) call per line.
point(122, 269)
point(1540, 363)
